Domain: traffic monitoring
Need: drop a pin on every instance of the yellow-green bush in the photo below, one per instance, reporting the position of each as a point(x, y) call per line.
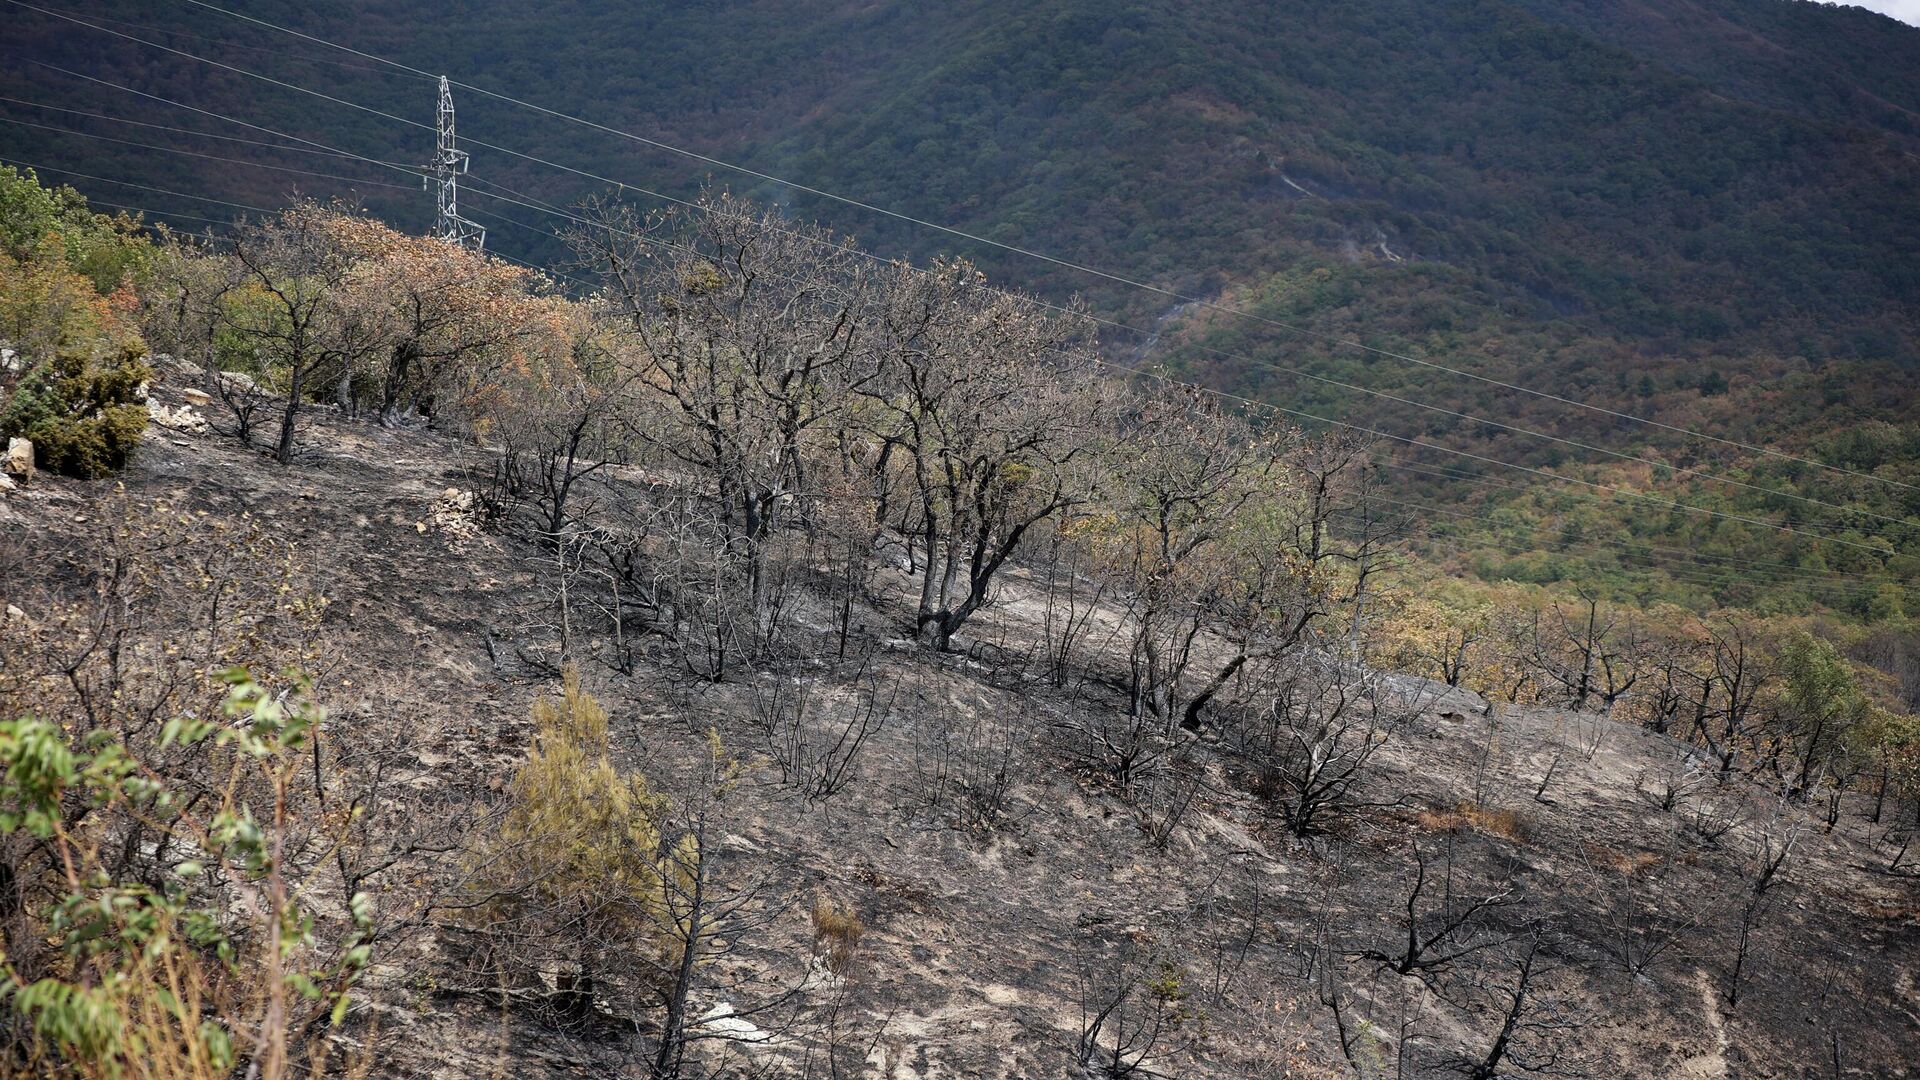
point(577, 873)
point(590, 826)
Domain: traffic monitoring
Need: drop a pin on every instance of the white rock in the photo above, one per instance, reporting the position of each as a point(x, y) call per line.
point(180, 419)
point(455, 513)
point(19, 460)
point(723, 1022)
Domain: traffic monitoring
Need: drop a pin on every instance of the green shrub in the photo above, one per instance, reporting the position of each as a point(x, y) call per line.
point(145, 971)
point(85, 416)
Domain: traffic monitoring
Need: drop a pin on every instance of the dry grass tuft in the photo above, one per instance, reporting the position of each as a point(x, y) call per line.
point(837, 930)
point(1471, 817)
point(1892, 913)
point(1631, 864)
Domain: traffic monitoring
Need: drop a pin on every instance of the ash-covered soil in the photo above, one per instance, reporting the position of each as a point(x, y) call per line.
point(1002, 880)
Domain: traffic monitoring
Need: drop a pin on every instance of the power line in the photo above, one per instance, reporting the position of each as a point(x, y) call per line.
point(221, 116)
point(536, 267)
point(1779, 572)
point(1732, 571)
point(1463, 476)
point(1172, 294)
point(1776, 573)
point(1705, 580)
point(1670, 572)
point(1669, 504)
point(311, 38)
point(1442, 472)
point(215, 63)
point(1415, 442)
point(208, 157)
point(127, 183)
point(158, 213)
point(548, 208)
point(263, 50)
point(1678, 470)
point(583, 282)
point(180, 130)
point(312, 147)
point(1411, 441)
point(1728, 562)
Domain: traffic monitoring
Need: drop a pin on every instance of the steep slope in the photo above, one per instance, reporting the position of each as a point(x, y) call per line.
point(1000, 881)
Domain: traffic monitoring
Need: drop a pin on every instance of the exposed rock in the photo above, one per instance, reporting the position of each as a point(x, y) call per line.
point(894, 553)
point(1432, 695)
point(19, 461)
point(237, 381)
point(724, 1022)
point(11, 360)
point(456, 513)
point(180, 419)
point(6, 482)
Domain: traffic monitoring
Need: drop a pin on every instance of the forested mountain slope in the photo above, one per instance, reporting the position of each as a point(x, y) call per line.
point(1637, 171)
point(1845, 64)
point(1701, 212)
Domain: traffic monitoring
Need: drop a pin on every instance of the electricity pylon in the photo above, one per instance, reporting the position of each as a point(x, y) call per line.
point(448, 165)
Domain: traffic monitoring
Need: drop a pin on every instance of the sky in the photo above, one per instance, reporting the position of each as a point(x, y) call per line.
point(1907, 11)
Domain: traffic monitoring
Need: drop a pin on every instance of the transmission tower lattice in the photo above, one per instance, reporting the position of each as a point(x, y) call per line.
point(448, 165)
